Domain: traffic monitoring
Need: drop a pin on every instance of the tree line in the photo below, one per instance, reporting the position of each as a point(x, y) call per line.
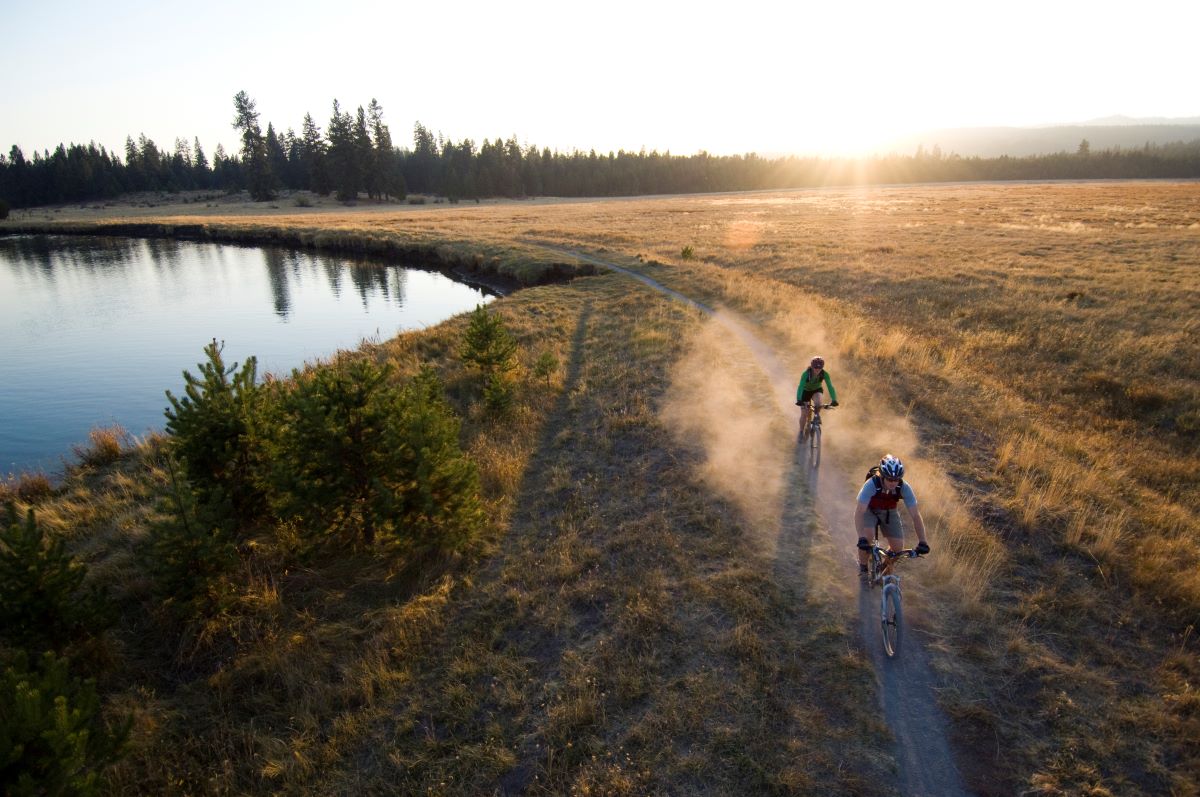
point(355, 156)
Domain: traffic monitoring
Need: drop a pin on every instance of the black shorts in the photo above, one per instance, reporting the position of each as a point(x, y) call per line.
point(807, 394)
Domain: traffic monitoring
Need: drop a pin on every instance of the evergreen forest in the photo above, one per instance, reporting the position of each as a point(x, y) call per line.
point(354, 156)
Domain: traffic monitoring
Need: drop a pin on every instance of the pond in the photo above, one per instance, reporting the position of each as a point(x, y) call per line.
point(96, 329)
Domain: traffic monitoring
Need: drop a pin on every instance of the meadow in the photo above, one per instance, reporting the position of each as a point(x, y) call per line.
point(657, 607)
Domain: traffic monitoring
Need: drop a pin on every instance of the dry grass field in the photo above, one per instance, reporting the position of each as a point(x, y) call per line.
point(638, 620)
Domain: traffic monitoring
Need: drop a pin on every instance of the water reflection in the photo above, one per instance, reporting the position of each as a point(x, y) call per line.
point(44, 253)
point(96, 329)
point(276, 262)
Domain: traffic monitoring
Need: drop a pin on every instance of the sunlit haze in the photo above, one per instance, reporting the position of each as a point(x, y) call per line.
point(767, 77)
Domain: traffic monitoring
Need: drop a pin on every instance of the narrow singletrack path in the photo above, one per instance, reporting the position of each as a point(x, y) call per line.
point(906, 693)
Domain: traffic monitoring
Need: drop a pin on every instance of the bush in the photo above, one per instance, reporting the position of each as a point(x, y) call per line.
point(357, 458)
point(188, 553)
point(53, 739)
point(3, 210)
point(29, 487)
point(490, 348)
point(43, 605)
point(688, 253)
point(211, 431)
point(437, 505)
point(105, 448)
point(546, 366)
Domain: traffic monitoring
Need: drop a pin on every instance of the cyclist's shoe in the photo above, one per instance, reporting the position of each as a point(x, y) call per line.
point(863, 545)
point(798, 404)
point(922, 548)
point(833, 404)
point(862, 570)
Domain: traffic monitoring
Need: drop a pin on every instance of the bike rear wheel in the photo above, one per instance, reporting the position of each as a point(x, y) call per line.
point(892, 620)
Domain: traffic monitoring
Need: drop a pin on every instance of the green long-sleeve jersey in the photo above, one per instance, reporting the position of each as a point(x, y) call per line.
point(805, 384)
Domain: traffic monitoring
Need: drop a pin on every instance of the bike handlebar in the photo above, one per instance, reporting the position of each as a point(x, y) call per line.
point(909, 553)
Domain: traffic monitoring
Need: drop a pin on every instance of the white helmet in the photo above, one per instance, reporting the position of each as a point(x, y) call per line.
point(891, 467)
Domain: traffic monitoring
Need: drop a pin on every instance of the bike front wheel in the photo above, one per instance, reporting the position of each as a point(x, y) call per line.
point(892, 620)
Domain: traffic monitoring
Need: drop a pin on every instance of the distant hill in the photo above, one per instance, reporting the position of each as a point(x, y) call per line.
point(1107, 133)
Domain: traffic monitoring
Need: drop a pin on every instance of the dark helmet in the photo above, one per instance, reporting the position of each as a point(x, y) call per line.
point(891, 467)
point(818, 362)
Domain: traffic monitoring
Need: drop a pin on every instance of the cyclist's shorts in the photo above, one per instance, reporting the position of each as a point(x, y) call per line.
point(807, 394)
point(893, 527)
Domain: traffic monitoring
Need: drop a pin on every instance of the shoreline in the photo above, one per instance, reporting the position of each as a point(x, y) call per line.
point(465, 264)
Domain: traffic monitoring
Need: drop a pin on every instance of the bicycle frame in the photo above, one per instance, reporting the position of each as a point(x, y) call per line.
point(882, 561)
point(814, 418)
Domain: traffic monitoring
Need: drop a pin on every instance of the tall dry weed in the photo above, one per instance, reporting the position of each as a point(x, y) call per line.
point(105, 446)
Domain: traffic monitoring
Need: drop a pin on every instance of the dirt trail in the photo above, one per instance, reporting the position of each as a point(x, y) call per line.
point(780, 486)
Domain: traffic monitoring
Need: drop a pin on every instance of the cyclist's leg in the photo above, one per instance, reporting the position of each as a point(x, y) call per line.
point(817, 397)
point(893, 529)
point(869, 521)
point(805, 405)
point(806, 399)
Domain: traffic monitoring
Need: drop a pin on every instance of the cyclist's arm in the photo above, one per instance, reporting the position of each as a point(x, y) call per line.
point(829, 384)
point(914, 512)
point(800, 387)
point(918, 523)
point(860, 508)
point(860, 520)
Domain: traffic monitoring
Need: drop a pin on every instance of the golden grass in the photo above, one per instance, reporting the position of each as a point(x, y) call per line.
point(105, 446)
point(1030, 350)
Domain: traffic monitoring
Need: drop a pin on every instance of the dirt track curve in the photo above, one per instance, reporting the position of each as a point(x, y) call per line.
point(926, 765)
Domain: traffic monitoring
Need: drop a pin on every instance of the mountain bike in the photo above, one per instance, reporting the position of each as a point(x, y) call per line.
point(880, 564)
point(811, 431)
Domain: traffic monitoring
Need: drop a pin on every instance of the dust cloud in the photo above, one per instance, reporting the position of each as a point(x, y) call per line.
point(733, 399)
point(719, 405)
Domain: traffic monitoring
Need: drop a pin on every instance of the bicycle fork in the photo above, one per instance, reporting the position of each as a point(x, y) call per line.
point(890, 584)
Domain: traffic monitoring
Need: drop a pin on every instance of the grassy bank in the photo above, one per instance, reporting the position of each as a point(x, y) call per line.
point(1030, 350)
point(500, 264)
point(619, 630)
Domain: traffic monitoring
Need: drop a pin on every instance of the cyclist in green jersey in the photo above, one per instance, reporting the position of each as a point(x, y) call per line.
point(813, 381)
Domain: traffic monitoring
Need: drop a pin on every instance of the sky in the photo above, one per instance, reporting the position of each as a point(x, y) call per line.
point(824, 78)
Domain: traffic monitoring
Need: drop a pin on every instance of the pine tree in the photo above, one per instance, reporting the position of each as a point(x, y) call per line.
point(357, 459)
point(211, 430)
point(489, 347)
point(255, 157)
point(314, 157)
point(343, 160)
point(133, 166)
point(192, 548)
point(276, 154)
point(53, 738)
point(222, 175)
point(43, 603)
point(201, 175)
point(364, 155)
point(423, 174)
